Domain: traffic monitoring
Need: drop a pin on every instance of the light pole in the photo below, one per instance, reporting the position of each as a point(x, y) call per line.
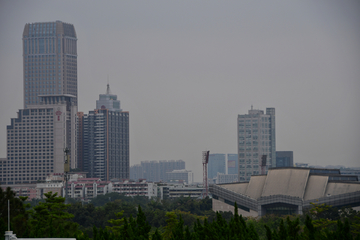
point(66, 171)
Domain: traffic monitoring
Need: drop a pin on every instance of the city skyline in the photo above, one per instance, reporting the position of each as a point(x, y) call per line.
point(186, 70)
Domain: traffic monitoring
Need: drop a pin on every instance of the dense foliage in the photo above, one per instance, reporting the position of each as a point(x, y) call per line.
point(114, 216)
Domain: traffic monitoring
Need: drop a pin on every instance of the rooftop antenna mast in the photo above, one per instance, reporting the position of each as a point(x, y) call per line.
point(108, 86)
point(205, 161)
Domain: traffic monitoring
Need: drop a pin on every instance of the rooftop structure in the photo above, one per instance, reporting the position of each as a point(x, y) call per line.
point(287, 191)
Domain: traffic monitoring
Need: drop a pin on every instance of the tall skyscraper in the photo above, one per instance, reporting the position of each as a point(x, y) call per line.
point(50, 61)
point(37, 137)
point(256, 137)
point(103, 139)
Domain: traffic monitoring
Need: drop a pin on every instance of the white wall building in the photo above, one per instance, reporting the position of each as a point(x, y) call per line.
point(36, 140)
point(256, 137)
point(130, 188)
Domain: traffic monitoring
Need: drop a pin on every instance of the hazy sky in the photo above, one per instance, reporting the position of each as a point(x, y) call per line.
point(185, 70)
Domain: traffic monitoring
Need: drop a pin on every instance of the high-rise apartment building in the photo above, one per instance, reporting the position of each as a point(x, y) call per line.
point(103, 139)
point(49, 60)
point(256, 137)
point(36, 140)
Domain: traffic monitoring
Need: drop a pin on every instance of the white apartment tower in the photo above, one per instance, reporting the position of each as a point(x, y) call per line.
point(36, 140)
point(256, 137)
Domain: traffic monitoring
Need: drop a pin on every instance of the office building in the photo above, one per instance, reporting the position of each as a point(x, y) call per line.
point(232, 160)
point(284, 159)
point(103, 136)
point(256, 137)
point(287, 191)
point(49, 60)
point(217, 164)
point(36, 140)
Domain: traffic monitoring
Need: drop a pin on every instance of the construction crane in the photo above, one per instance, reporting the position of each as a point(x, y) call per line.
point(205, 160)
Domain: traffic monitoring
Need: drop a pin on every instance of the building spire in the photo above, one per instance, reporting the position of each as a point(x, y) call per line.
point(108, 89)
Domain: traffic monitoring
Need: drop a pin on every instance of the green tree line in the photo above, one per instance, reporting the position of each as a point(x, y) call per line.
point(115, 216)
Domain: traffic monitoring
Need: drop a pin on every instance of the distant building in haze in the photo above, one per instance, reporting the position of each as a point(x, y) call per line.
point(155, 171)
point(232, 160)
point(256, 137)
point(217, 164)
point(284, 159)
point(182, 175)
point(103, 136)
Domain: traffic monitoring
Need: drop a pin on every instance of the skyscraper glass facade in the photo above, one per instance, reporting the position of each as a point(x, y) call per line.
point(49, 60)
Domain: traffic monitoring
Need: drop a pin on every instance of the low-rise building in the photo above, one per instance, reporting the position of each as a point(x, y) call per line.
point(54, 186)
point(177, 191)
point(132, 188)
